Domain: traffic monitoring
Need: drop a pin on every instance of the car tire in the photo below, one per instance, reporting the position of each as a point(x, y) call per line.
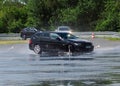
point(37, 49)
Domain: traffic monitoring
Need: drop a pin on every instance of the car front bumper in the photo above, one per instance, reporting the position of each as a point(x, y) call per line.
point(85, 48)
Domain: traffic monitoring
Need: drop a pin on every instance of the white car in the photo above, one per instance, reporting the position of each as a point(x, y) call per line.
point(63, 29)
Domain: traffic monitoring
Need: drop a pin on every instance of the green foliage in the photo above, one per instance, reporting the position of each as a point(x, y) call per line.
point(100, 15)
point(43, 13)
point(68, 15)
point(110, 17)
point(12, 17)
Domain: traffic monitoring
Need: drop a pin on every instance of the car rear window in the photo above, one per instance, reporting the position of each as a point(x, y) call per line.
point(63, 29)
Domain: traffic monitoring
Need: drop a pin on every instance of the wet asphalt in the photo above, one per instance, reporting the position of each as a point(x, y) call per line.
point(20, 66)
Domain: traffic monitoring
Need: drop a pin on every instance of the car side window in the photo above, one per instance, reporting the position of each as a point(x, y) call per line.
point(54, 36)
point(70, 36)
point(46, 35)
point(39, 34)
point(63, 35)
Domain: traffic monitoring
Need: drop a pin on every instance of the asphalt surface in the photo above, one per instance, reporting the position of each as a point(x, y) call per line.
point(104, 43)
point(20, 66)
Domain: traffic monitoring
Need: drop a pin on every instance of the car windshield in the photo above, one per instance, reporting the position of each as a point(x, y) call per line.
point(67, 36)
point(63, 29)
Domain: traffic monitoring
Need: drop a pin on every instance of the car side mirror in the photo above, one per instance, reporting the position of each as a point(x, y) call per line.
point(59, 39)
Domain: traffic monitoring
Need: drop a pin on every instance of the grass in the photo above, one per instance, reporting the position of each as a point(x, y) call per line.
point(115, 77)
point(13, 41)
point(112, 39)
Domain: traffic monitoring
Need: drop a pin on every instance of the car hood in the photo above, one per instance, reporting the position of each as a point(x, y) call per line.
point(78, 40)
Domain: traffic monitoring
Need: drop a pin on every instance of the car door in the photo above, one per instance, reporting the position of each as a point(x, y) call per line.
point(45, 41)
point(56, 42)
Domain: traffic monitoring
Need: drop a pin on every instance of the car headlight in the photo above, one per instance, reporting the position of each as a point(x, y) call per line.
point(76, 44)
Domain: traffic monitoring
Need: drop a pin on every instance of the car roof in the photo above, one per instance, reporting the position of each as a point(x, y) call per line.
point(63, 27)
point(62, 32)
point(51, 32)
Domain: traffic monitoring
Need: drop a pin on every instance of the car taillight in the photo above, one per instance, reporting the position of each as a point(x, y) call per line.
point(30, 41)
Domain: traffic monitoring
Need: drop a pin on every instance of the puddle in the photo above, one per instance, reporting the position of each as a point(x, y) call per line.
point(21, 67)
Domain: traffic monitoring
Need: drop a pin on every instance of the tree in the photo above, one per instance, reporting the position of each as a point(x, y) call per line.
point(85, 15)
point(42, 14)
point(13, 16)
point(110, 17)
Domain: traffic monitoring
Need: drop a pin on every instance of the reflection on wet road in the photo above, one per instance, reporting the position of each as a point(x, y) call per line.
point(19, 66)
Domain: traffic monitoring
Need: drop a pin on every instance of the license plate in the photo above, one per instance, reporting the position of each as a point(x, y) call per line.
point(88, 46)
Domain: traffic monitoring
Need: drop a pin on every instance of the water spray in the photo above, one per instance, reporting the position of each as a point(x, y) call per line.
point(69, 51)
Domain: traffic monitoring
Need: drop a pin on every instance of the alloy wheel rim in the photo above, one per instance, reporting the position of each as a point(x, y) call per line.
point(37, 49)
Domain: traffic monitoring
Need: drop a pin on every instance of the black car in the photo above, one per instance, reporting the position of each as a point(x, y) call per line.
point(27, 32)
point(58, 41)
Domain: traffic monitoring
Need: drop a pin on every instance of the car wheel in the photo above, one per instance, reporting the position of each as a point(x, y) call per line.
point(24, 37)
point(37, 49)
